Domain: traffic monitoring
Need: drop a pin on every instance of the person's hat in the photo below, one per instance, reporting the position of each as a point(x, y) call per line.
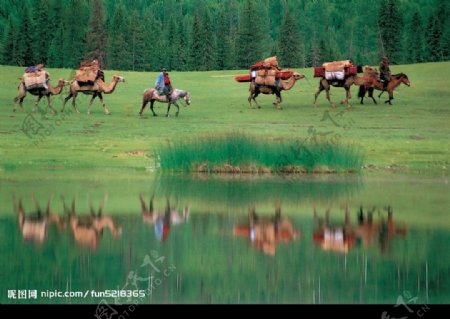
point(163, 69)
point(385, 58)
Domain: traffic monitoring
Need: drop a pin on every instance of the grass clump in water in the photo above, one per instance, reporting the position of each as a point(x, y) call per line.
point(240, 153)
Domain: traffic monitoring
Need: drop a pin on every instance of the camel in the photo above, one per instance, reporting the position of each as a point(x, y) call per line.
point(87, 230)
point(35, 227)
point(39, 92)
point(256, 89)
point(95, 89)
point(162, 220)
point(265, 233)
point(394, 82)
point(151, 95)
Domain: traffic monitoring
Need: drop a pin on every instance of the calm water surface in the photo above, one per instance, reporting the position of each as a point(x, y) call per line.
point(322, 240)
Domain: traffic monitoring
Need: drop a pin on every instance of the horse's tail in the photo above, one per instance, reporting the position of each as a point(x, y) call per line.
point(361, 91)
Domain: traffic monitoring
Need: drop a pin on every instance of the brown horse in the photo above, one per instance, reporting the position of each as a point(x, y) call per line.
point(151, 95)
point(325, 84)
point(394, 82)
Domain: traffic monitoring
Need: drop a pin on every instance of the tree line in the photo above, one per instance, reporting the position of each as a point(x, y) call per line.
point(200, 35)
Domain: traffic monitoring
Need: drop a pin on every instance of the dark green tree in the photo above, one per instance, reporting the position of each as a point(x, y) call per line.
point(251, 44)
point(197, 44)
point(119, 55)
point(55, 56)
point(24, 37)
point(434, 38)
point(390, 25)
point(289, 43)
point(416, 45)
point(42, 34)
point(9, 44)
point(96, 36)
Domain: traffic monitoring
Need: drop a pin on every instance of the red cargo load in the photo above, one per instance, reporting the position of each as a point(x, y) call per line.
point(243, 78)
point(352, 70)
point(319, 72)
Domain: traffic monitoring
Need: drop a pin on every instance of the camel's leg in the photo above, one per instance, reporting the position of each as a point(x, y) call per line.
point(362, 93)
point(90, 103)
point(50, 105)
point(36, 103)
point(256, 102)
point(371, 95)
point(278, 100)
point(348, 96)
point(74, 102)
point(105, 108)
point(151, 107)
point(20, 99)
point(178, 108)
point(327, 91)
point(67, 98)
point(144, 104)
point(382, 91)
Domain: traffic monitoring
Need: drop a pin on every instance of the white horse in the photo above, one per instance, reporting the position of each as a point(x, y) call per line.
point(151, 95)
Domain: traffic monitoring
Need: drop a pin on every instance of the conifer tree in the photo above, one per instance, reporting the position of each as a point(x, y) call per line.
point(289, 43)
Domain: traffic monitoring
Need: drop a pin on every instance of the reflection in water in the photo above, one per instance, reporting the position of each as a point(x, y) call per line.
point(162, 220)
point(382, 230)
point(343, 237)
point(339, 238)
point(265, 233)
point(34, 227)
point(351, 254)
point(87, 230)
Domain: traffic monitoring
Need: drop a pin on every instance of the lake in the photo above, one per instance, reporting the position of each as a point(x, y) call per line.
point(148, 238)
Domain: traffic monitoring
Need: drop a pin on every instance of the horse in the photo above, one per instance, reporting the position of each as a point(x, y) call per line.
point(151, 95)
point(394, 82)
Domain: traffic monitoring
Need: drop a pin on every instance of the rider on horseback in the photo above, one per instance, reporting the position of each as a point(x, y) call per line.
point(163, 84)
point(385, 72)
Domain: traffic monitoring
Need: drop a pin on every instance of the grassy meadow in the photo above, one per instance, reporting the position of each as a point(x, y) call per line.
point(410, 136)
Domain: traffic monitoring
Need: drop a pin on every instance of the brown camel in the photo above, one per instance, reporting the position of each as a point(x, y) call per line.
point(265, 233)
point(394, 82)
point(256, 89)
point(87, 230)
point(35, 227)
point(325, 84)
point(39, 92)
point(95, 90)
point(340, 238)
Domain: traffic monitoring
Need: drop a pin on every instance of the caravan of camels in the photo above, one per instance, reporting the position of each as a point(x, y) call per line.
point(265, 77)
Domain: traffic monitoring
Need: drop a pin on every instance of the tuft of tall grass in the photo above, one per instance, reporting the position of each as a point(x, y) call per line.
point(240, 153)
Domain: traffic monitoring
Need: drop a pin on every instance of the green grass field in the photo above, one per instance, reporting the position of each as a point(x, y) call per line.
point(412, 135)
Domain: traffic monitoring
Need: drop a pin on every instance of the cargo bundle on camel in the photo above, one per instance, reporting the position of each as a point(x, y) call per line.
point(266, 77)
point(336, 70)
point(88, 73)
point(35, 77)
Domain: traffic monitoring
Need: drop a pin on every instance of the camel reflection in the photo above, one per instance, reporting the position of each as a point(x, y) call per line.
point(87, 230)
point(381, 231)
point(162, 221)
point(338, 238)
point(265, 233)
point(34, 227)
point(369, 232)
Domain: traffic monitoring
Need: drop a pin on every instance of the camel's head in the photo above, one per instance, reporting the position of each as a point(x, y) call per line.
point(62, 82)
point(298, 76)
point(118, 78)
